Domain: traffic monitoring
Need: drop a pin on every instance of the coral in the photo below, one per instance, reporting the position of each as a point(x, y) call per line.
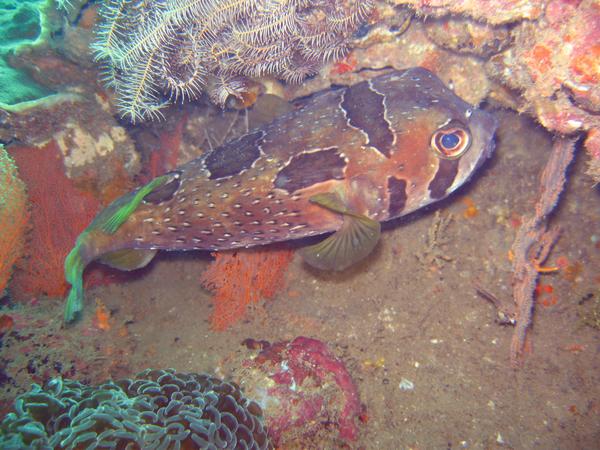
point(156, 409)
point(311, 395)
point(14, 217)
point(466, 36)
point(555, 64)
point(59, 213)
point(534, 242)
point(82, 148)
point(21, 25)
point(182, 47)
point(592, 144)
point(94, 146)
point(385, 46)
point(238, 279)
point(166, 156)
point(492, 11)
point(542, 57)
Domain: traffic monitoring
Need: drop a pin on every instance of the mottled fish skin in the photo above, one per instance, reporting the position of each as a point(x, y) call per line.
point(370, 143)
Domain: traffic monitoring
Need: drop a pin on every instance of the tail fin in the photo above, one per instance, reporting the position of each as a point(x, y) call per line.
point(107, 222)
point(74, 267)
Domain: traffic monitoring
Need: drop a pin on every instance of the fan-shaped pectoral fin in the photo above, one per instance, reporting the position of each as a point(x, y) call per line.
point(356, 239)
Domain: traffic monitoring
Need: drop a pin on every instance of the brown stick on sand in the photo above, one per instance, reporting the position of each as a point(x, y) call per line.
point(534, 241)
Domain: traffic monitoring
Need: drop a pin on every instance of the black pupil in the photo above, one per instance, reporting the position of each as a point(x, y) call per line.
point(450, 141)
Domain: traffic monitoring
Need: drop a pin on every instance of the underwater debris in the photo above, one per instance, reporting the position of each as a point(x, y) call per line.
point(471, 210)
point(102, 316)
point(433, 256)
point(181, 48)
point(59, 213)
point(590, 314)
point(155, 409)
point(241, 278)
point(534, 242)
point(14, 217)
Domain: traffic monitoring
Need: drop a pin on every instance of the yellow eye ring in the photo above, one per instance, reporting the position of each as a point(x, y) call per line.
point(451, 142)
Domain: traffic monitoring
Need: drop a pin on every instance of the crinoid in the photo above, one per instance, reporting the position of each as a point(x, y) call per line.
point(155, 52)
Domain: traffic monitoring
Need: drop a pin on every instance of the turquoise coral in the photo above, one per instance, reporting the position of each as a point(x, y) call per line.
point(157, 409)
point(23, 24)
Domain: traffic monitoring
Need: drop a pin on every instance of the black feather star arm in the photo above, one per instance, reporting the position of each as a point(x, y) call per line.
point(157, 52)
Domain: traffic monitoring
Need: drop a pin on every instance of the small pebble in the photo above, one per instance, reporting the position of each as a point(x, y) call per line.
point(406, 385)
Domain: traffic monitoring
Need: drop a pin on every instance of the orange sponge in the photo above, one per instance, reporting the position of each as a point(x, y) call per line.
point(14, 217)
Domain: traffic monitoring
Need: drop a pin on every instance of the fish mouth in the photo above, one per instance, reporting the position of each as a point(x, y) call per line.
point(486, 125)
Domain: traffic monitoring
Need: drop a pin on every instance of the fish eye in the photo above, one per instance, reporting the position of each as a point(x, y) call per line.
point(451, 142)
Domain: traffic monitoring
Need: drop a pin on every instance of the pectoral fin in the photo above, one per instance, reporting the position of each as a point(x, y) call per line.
point(356, 238)
point(128, 259)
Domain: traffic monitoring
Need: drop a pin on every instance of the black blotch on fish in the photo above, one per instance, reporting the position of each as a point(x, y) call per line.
point(397, 190)
point(444, 177)
point(166, 191)
point(365, 110)
point(307, 169)
point(235, 156)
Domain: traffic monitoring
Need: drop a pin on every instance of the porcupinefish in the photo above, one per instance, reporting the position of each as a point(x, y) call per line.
point(346, 160)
